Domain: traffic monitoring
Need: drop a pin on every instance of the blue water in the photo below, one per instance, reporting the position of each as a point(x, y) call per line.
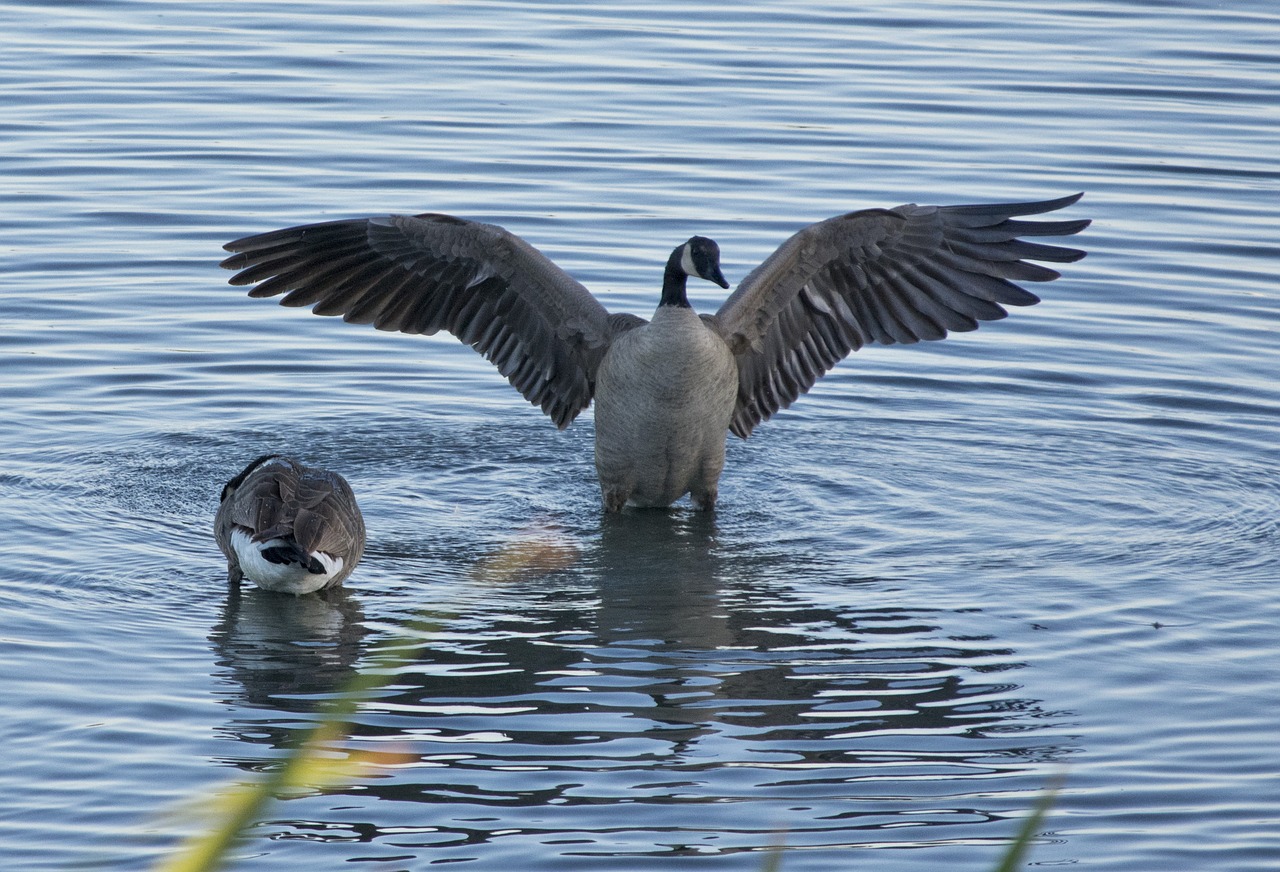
point(949, 575)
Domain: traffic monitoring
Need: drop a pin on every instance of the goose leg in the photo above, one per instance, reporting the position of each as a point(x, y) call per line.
point(614, 498)
point(704, 499)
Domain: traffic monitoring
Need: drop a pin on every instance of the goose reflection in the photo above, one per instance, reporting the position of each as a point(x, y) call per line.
point(659, 639)
point(726, 646)
point(659, 577)
point(664, 668)
point(284, 652)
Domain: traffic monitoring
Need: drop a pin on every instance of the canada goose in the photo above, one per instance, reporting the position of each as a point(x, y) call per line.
point(288, 527)
point(666, 390)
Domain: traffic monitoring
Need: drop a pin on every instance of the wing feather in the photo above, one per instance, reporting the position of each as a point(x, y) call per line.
point(886, 276)
point(422, 274)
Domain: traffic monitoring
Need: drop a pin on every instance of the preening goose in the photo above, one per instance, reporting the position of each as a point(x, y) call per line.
point(667, 390)
point(288, 527)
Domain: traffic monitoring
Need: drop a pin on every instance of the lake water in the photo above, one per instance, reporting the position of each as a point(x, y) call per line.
point(949, 575)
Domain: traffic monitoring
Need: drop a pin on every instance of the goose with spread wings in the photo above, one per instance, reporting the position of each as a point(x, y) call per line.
point(667, 391)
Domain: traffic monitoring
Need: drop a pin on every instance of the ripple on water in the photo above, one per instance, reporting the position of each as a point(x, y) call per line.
point(945, 574)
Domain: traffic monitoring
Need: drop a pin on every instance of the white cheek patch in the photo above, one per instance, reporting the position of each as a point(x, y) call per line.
point(284, 578)
point(686, 261)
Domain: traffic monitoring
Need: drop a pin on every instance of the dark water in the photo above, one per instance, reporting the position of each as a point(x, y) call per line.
point(949, 574)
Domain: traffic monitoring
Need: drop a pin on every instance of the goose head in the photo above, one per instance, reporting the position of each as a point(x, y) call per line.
point(699, 257)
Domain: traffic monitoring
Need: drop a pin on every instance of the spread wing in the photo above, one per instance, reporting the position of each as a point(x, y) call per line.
point(882, 276)
point(495, 292)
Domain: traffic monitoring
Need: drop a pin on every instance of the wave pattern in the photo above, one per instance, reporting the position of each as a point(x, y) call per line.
point(944, 575)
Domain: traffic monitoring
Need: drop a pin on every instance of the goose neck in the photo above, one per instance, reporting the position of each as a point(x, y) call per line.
point(674, 280)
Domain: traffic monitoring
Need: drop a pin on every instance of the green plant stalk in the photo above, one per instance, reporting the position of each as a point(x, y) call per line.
point(1017, 852)
point(207, 851)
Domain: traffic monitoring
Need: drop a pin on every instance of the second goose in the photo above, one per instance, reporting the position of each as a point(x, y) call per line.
point(289, 528)
point(667, 390)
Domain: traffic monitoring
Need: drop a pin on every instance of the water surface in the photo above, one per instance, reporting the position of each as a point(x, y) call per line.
point(947, 575)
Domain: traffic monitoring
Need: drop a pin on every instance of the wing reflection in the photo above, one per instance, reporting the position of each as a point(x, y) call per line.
point(580, 706)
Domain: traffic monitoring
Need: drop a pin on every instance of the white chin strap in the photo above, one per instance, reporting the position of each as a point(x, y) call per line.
point(686, 261)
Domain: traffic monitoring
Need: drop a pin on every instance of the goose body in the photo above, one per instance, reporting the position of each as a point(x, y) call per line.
point(289, 528)
point(664, 396)
point(667, 391)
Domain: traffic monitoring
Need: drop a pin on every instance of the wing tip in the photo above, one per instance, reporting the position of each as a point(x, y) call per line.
point(1042, 206)
point(1009, 210)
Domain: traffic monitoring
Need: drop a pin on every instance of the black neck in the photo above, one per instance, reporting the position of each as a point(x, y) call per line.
point(673, 281)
